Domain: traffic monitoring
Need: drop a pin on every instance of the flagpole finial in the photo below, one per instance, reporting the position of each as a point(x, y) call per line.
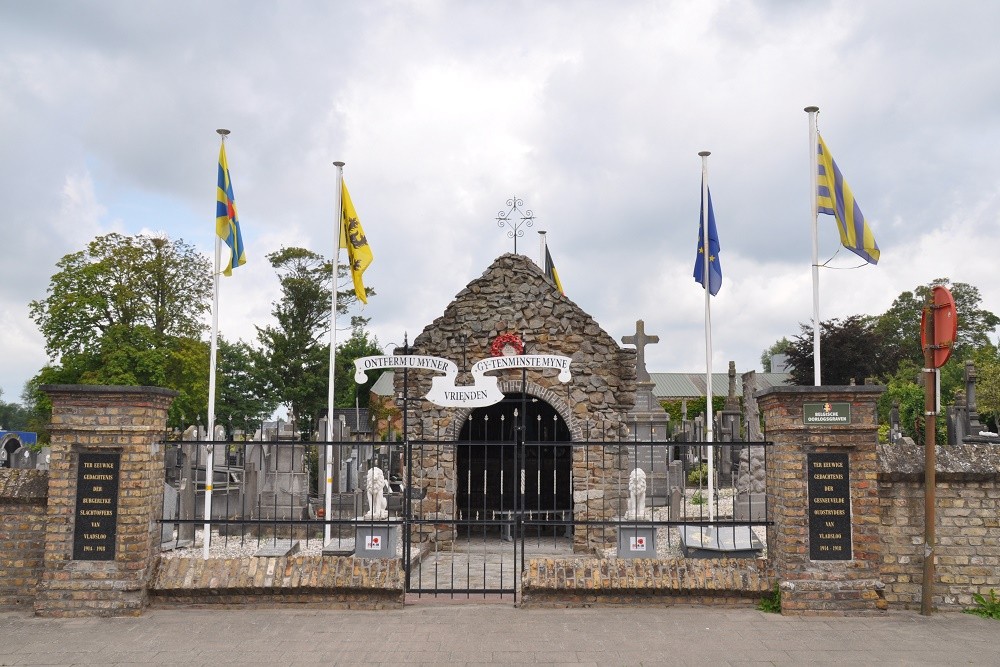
point(222, 131)
point(705, 153)
point(811, 109)
point(338, 163)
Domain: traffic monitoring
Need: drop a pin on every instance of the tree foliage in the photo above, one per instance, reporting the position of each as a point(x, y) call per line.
point(293, 359)
point(899, 326)
point(13, 416)
point(346, 390)
point(849, 351)
point(242, 400)
point(127, 310)
point(125, 283)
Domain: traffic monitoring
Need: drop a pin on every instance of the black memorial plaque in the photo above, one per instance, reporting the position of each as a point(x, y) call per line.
point(96, 527)
point(829, 482)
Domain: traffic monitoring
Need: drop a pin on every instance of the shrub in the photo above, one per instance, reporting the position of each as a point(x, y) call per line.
point(771, 602)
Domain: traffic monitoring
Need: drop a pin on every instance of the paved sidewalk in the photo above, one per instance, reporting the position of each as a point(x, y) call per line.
point(475, 633)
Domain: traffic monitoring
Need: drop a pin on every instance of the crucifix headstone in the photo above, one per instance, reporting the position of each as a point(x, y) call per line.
point(640, 340)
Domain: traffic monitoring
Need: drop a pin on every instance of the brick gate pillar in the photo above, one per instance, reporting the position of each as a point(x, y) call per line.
point(105, 498)
point(822, 495)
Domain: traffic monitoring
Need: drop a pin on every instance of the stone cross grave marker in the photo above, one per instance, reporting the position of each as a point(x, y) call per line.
point(640, 340)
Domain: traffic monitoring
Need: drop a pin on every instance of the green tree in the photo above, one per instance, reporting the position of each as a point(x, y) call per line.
point(850, 349)
point(124, 282)
point(987, 361)
point(127, 310)
point(242, 400)
point(293, 358)
point(899, 326)
point(13, 416)
point(346, 390)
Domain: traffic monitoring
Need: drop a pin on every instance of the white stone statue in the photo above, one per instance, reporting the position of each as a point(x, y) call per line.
point(375, 488)
point(636, 494)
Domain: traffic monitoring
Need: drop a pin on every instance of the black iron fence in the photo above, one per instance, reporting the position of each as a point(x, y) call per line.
point(464, 515)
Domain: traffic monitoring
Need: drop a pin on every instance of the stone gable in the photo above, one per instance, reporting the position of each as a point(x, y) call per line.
point(513, 295)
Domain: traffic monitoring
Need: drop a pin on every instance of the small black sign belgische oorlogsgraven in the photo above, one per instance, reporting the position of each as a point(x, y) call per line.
point(96, 527)
point(829, 483)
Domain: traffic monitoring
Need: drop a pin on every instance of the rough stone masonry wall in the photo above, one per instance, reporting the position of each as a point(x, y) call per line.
point(326, 581)
point(23, 497)
point(967, 527)
point(513, 295)
point(584, 581)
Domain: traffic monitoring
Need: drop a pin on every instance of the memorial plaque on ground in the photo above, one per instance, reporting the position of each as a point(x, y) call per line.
point(96, 526)
point(829, 483)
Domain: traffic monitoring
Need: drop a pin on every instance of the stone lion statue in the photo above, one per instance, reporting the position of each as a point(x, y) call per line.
point(375, 488)
point(636, 494)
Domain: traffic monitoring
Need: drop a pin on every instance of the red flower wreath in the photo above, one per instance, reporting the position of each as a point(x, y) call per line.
point(503, 340)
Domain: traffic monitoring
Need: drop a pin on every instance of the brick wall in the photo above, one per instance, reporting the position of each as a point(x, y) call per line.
point(967, 523)
point(23, 497)
point(822, 586)
point(130, 422)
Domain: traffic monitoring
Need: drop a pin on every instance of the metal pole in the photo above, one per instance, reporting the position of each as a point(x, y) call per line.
point(706, 281)
point(408, 452)
point(206, 538)
point(930, 459)
point(813, 185)
point(339, 208)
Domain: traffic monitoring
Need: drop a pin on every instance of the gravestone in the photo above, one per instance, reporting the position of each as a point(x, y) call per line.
point(648, 421)
point(170, 513)
point(750, 501)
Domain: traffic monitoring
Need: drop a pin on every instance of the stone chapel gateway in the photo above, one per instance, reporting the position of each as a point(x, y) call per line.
point(514, 301)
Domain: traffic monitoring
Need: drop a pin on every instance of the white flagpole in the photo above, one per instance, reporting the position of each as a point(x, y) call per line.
point(541, 249)
point(813, 185)
point(206, 538)
point(705, 279)
point(339, 208)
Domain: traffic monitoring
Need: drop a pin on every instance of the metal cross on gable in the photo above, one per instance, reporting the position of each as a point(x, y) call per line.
point(526, 218)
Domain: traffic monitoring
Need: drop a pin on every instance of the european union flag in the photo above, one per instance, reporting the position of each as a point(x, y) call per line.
point(714, 264)
point(834, 197)
point(227, 224)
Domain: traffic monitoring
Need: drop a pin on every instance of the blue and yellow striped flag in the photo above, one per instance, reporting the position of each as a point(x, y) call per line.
point(352, 237)
point(834, 197)
point(227, 224)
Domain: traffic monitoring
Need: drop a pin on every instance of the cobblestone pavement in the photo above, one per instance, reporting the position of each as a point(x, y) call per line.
point(481, 633)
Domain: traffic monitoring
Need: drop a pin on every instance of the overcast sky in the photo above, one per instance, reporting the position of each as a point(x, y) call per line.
point(593, 113)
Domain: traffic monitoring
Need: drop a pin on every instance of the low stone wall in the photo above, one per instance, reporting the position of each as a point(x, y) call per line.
point(968, 523)
point(332, 582)
point(23, 499)
point(576, 582)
